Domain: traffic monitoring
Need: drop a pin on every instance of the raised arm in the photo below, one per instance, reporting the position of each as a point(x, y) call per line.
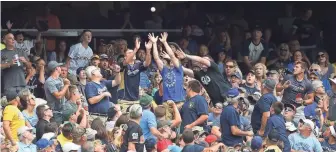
point(131, 55)
point(182, 55)
point(188, 72)
point(148, 59)
point(117, 79)
point(157, 59)
point(169, 51)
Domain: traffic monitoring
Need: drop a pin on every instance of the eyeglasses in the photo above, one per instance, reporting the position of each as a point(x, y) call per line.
point(313, 70)
point(321, 55)
point(289, 110)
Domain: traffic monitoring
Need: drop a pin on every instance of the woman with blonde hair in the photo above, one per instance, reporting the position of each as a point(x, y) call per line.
point(326, 68)
point(260, 73)
point(221, 44)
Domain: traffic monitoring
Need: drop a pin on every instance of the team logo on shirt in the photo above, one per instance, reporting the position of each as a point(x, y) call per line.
point(135, 136)
point(301, 146)
point(100, 91)
point(205, 80)
point(170, 79)
point(134, 72)
point(191, 105)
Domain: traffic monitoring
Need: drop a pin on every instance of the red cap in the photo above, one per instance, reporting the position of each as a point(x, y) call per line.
point(163, 144)
point(210, 139)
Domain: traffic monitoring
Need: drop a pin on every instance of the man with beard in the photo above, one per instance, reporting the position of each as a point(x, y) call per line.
point(297, 88)
point(281, 59)
point(104, 67)
point(209, 75)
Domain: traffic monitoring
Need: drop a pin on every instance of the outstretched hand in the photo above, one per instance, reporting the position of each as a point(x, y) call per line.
point(164, 55)
point(9, 24)
point(164, 37)
point(137, 43)
point(152, 38)
point(180, 54)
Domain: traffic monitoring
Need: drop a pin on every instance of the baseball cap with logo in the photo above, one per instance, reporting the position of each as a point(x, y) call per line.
point(103, 56)
point(232, 92)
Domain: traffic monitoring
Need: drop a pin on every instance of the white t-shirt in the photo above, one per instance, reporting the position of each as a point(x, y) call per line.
point(80, 57)
point(25, 46)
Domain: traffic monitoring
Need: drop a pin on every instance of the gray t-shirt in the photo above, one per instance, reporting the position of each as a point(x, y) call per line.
point(50, 86)
point(13, 76)
point(296, 89)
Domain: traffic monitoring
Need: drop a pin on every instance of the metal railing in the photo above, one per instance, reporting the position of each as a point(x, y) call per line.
point(96, 33)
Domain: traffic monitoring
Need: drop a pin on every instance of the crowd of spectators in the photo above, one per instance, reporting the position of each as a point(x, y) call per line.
point(226, 86)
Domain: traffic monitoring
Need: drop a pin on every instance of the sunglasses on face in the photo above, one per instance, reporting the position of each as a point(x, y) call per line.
point(217, 107)
point(313, 70)
point(321, 55)
point(313, 78)
point(229, 66)
point(289, 110)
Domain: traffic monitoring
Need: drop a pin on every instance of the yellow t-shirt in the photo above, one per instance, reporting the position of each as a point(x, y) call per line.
point(2, 46)
point(14, 115)
point(273, 148)
point(62, 140)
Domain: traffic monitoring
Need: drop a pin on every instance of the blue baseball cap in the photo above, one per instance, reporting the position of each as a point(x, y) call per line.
point(44, 143)
point(233, 92)
point(256, 143)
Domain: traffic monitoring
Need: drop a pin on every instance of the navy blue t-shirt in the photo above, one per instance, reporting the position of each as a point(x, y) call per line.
point(192, 148)
point(157, 98)
point(230, 117)
point(173, 84)
point(249, 90)
point(192, 109)
point(263, 105)
point(93, 89)
point(278, 122)
point(132, 80)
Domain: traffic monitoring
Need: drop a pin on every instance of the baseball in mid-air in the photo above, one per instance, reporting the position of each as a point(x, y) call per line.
point(153, 9)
